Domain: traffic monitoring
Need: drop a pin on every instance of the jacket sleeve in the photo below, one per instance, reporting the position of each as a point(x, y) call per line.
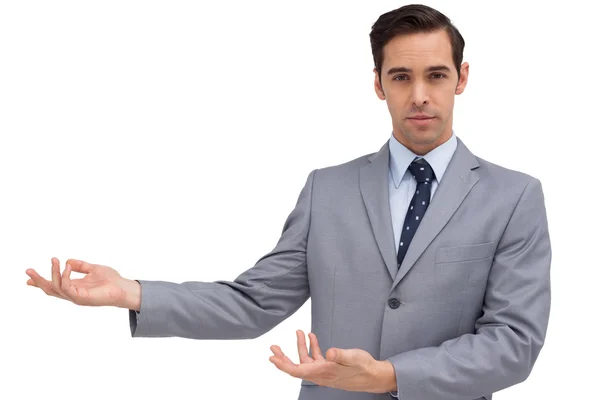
point(510, 333)
point(255, 302)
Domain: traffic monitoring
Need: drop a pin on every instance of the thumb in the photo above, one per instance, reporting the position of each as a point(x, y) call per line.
point(336, 355)
point(79, 266)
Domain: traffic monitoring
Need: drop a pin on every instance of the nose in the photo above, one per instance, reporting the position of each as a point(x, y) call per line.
point(419, 95)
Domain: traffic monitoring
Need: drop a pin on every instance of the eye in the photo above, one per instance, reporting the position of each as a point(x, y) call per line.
point(400, 76)
point(439, 74)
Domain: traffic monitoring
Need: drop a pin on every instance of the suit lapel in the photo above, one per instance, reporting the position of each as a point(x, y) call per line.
point(373, 183)
point(458, 180)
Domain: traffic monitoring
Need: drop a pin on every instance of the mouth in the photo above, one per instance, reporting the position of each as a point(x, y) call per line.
point(421, 120)
point(421, 116)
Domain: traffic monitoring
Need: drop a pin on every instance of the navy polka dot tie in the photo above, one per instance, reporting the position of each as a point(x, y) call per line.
point(423, 173)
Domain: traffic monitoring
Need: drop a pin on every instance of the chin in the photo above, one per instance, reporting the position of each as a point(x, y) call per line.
point(425, 136)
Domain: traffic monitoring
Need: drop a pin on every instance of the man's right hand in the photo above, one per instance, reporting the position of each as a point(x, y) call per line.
point(101, 285)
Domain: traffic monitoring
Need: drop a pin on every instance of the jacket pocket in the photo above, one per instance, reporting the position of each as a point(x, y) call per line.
point(472, 252)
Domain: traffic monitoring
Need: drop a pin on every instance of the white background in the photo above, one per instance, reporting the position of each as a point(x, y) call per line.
point(170, 140)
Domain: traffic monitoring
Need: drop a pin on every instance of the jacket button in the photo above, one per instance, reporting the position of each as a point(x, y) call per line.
point(394, 303)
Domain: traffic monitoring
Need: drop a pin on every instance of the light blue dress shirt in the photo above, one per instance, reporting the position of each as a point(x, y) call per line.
point(401, 183)
point(403, 186)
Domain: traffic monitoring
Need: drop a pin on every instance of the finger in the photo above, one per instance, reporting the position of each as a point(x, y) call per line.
point(302, 350)
point(80, 266)
point(56, 280)
point(314, 347)
point(42, 283)
point(36, 278)
point(283, 363)
point(285, 367)
point(279, 355)
point(66, 287)
point(308, 371)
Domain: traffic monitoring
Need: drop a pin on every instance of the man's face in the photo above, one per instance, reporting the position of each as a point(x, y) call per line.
point(419, 79)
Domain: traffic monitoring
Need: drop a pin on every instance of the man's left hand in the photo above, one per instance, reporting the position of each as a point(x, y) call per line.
point(347, 369)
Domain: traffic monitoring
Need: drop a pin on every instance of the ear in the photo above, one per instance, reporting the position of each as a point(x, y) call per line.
point(464, 77)
point(377, 85)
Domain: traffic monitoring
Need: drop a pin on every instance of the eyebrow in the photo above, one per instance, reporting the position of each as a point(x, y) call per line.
point(429, 69)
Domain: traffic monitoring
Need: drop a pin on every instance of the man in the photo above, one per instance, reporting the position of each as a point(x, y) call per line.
point(428, 268)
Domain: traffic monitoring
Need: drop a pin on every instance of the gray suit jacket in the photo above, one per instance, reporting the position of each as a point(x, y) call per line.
point(464, 316)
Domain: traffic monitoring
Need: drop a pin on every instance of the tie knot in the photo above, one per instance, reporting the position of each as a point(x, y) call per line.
point(421, 170)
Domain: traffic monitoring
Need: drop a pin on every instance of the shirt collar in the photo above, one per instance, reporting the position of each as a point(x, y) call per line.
point(438, 158)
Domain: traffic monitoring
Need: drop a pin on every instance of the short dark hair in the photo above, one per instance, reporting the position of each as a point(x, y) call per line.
point(409, 19)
